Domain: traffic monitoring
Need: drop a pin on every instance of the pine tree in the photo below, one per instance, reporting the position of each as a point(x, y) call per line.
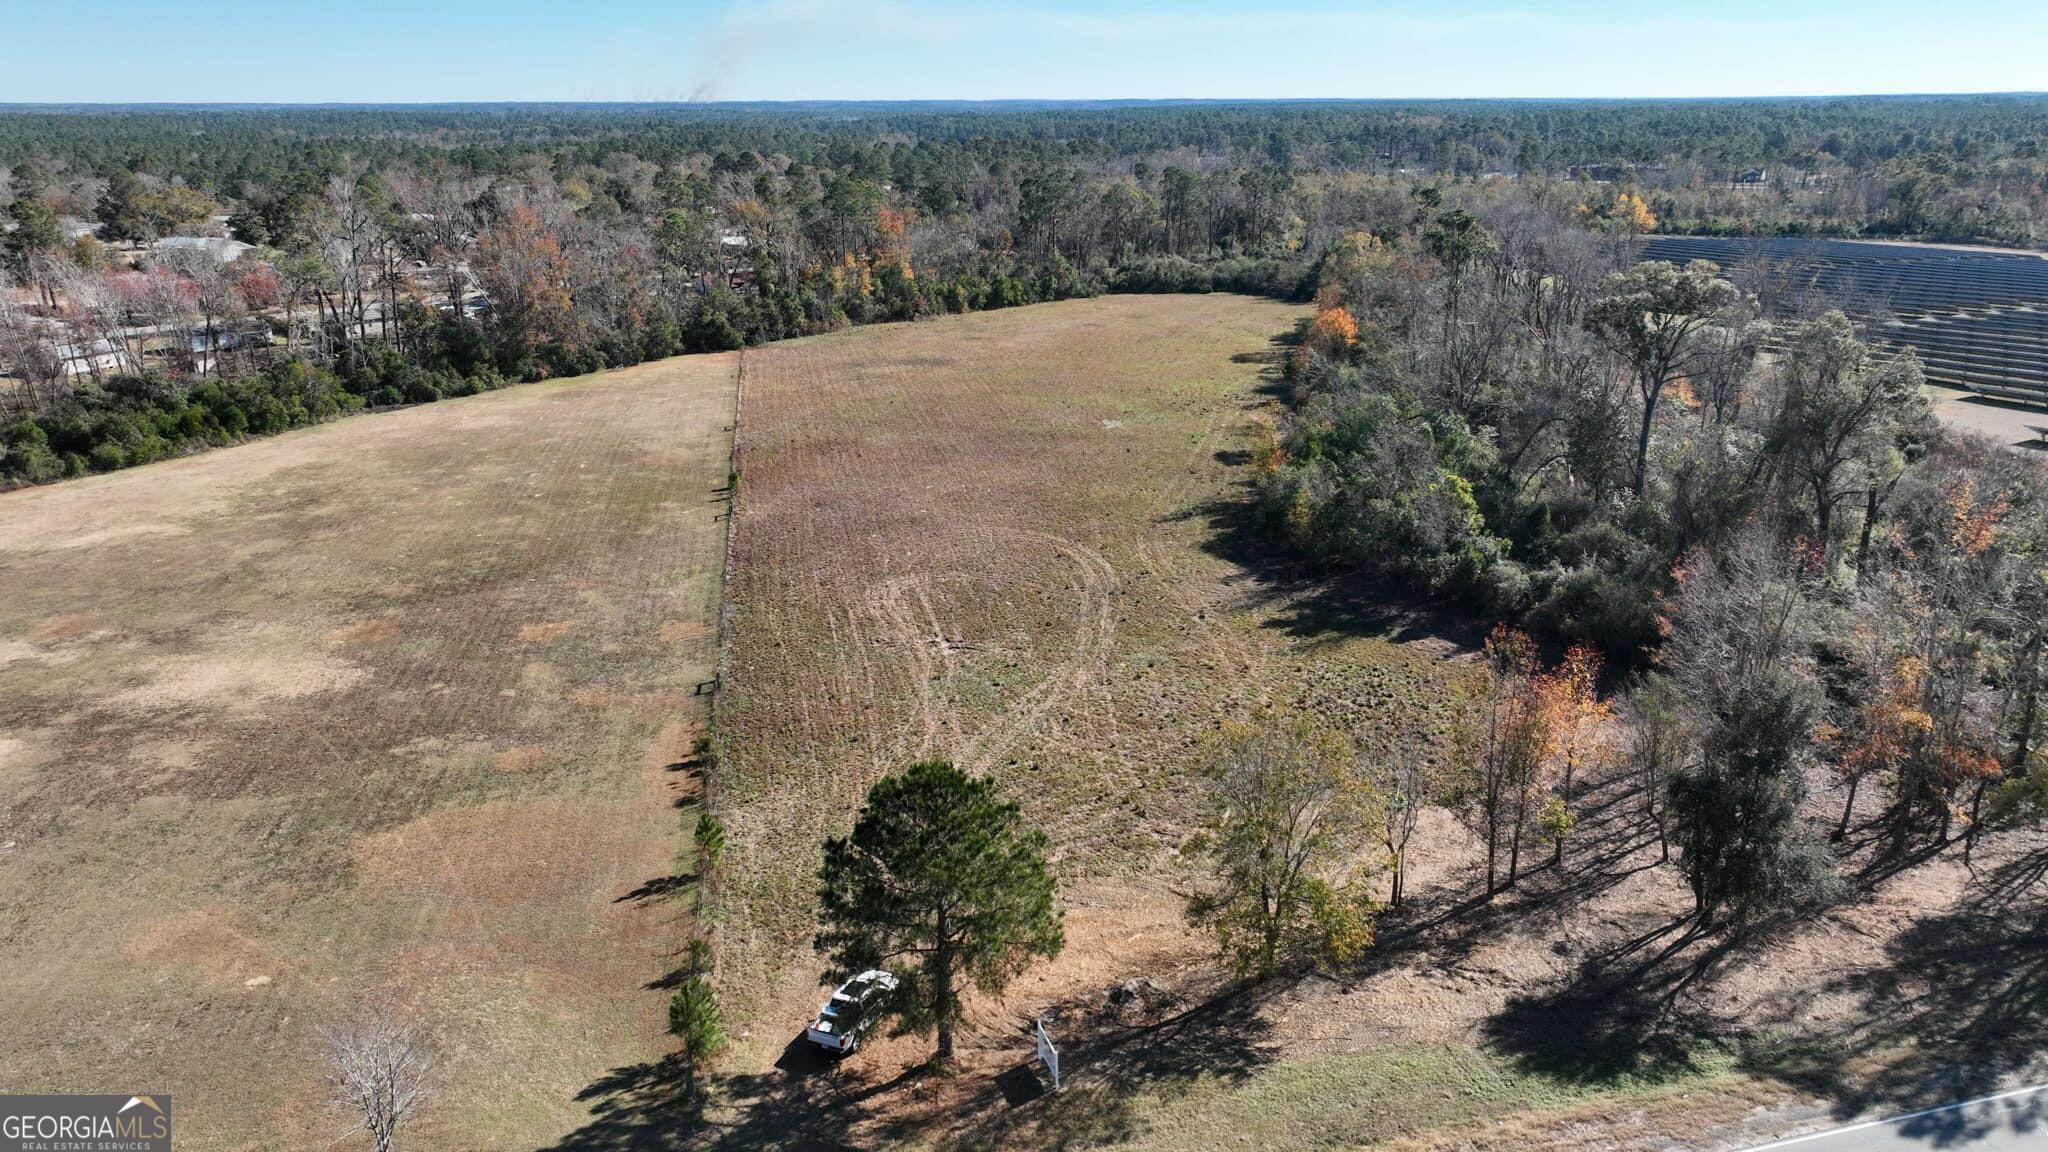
point(693, 1016)
point(121, 211)
point(1736, 809)
point(940, 878)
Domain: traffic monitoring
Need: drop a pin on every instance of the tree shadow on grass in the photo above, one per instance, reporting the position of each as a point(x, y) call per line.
point(1273, 362)
point(639, 1106)
point(1613, 841)
point(1889, 859)
point(1963, 994)
point(803, 1102)
point(1309, 601)
point(1628, 1013)
point(1956, 1009)
point(1312, 603)
point(1109, 1071)
point(1623, 1019)
point(2002, 888)
point(810, 1101)
point(658, 888)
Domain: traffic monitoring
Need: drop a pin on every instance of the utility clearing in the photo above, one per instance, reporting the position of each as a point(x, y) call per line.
point(394, 709)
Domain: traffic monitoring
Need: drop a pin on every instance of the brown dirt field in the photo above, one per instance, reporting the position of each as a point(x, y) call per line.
point(1017, 539)
point(392, 708)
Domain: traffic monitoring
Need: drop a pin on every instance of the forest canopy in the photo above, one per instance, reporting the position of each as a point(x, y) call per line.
point(314, 260)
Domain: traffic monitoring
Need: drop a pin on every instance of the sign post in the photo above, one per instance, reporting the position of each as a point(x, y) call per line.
point(1049, 1054)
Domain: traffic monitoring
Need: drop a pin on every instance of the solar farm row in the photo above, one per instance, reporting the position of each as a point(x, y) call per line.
point(1978, 319)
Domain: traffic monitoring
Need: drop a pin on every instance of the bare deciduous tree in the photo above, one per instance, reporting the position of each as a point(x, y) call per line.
point(381, 1071)
point(442, 228)
point(350, 239)
point(27, 353)
point(1660, 743)
point(1405, 781)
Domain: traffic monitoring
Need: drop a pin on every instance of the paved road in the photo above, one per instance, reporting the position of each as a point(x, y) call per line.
point(2009, 424)
point(2015, 1121)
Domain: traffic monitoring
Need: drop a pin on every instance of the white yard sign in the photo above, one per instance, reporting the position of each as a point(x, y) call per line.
point(1050, 1055)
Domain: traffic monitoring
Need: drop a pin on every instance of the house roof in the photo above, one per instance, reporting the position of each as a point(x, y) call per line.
point(219, 247)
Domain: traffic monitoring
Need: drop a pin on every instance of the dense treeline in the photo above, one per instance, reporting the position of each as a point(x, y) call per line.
point(127, 420)
point(456, 247)
point(211, 147)
point(1763, 521)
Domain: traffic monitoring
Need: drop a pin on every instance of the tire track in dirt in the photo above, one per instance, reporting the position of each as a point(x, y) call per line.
point(1096, 586)
point(940, 529)
point(929, 652)
point(895, 628)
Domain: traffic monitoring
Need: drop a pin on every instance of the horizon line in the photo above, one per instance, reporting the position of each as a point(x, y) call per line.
point(798, 102)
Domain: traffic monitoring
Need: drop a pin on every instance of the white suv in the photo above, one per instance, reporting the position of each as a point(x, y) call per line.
point(851, 1011)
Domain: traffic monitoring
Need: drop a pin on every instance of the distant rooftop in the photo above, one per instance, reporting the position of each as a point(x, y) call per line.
point(219, 247)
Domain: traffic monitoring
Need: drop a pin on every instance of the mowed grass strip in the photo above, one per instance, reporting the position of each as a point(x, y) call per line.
point(999, 538)
point(389, 709)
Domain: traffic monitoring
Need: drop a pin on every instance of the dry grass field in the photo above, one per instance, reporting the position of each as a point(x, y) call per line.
point(401, 708)
point(1018, 539)
point(1011, 539)
point(980, 538)
point(381, 710)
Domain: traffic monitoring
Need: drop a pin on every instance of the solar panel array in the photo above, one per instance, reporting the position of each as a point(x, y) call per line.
point(1977, 318)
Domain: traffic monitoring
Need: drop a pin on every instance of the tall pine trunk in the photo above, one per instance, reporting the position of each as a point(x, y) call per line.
point(942, 990)
point(1643, 435)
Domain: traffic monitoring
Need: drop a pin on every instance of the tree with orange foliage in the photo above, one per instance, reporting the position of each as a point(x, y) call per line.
point(1375, 282)
point(1504, 740)
point(1332, 331)
point(1630, 214)
point(1580, 722)
point(1955, 595)
point(891, 225)
point(1888, 725)
point(521, 267)
point(1627, 216)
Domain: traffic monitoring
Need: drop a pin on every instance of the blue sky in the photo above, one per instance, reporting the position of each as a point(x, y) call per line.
point(383, 50)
